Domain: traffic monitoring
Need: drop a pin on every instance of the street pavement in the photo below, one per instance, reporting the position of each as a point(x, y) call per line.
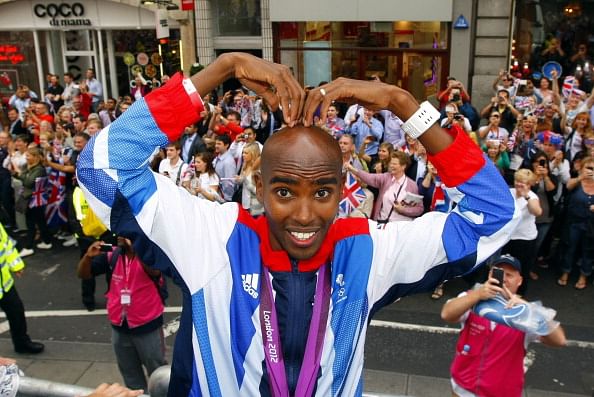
point(408, 351)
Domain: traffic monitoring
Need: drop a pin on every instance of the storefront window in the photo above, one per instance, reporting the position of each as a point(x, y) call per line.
point(408, 54)
point(237, 17)
point(554, 31)
point(17, 62)
point(161, 58)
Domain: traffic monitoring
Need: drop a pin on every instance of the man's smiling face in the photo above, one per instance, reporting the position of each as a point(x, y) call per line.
point(300, 187)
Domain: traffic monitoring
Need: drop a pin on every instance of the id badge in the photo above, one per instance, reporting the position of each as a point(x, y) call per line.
point(125, 297)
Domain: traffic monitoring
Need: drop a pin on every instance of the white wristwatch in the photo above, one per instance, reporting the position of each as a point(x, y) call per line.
point(421, 120)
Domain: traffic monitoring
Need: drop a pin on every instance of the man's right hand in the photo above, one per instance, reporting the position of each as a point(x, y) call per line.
point(94, 249)
point(274, 82)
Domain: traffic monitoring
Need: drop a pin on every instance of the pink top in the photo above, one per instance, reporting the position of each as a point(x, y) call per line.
point(489, 362)
point(145, 302)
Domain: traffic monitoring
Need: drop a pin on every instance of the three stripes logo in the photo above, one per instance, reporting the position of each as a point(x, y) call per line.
point(250, 284)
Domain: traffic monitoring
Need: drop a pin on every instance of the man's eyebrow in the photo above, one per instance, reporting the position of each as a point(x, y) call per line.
point(326, 181)
point(292, 181)
point(283, 179)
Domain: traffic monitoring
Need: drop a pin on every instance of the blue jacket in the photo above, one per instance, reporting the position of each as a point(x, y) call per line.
point(217, 252)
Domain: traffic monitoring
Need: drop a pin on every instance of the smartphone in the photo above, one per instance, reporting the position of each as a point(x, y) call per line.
point(105, 248)
point(542, 163)
point(497, 273)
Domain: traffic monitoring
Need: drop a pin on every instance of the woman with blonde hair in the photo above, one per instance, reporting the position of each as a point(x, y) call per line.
point(521, 244)
point(251, 165)
point(33, 197)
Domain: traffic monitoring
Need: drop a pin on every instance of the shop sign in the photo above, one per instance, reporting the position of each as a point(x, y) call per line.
point(62, 14)
point(11, 53)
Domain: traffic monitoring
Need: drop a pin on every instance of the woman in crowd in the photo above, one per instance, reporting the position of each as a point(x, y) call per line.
point(521, 244)
point(579, 233)
point(544, 93)
point(434, 199)
point(251, 165)
point(32, 179)
point(581, 126)
point(393, 188)
point(205, 182)
point(140, 88)
point(497, 153)
point(545, 187)
point(384, 154)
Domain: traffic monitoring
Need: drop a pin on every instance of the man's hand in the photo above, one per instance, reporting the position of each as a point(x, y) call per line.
point(273, 82)
point(114, 390)
point(94, 249)
point(490, 289)
point(370, 94)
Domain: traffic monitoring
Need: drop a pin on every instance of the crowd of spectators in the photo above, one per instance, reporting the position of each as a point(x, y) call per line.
point(536, 129)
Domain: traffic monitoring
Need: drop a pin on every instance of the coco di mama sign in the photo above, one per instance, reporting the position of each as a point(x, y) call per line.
point(62, 14)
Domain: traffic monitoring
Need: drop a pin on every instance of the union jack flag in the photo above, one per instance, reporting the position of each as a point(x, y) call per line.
point(569, 84)
point(352, 196)
point(39, 196)
point(56, 212)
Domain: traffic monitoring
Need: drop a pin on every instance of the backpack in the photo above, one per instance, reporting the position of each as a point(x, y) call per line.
point(159, 281)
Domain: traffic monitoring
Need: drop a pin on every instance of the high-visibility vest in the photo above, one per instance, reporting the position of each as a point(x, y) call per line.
point(10, 261)
point(90, 223)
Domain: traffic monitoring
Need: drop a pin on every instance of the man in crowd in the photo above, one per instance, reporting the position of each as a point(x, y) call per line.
point(242, 333)
point(191, 143)
point(10, 302)
point(108, 114)
point(172, 166)
point(501, 104)
point(6, 190)
point(228, 125)
point(70, 89)
point(21, 99)
point(95, 89)
point(489, 357)
point(16, 124)
point(225, 166)
point(347, 148)
point(134, 308)
point(367, 126)
point(53, 93)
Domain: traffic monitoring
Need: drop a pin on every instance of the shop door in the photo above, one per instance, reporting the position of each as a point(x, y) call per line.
point(80, 52)
point(421, 72)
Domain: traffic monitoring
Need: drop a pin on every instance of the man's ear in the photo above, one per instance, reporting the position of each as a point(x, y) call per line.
point(259, 187)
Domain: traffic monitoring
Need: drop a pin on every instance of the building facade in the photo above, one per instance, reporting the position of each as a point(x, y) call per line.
point(118, 40)
point(415, 46)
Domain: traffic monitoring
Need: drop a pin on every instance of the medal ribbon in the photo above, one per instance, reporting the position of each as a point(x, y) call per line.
point(315, 338)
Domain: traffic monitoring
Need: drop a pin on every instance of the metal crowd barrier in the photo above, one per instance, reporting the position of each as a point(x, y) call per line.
point(157, 387)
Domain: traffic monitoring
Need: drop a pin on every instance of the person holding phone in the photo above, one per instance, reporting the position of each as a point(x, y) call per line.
point(489, 358)
point(135, 305)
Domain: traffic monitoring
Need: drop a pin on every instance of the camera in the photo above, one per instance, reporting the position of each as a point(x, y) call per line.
point(458, 117)
point(456, 97)
point(542, 162)
point(105, 247)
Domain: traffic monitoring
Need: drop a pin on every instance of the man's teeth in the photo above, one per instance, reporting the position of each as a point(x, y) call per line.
point(302, 236)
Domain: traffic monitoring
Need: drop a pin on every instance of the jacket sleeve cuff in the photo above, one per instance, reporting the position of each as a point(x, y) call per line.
point(460, 161)
point(174, 106)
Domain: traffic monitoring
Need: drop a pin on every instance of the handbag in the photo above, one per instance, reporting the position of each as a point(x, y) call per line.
point(21, 204)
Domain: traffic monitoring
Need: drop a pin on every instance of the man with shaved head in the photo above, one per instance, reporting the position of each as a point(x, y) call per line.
point(279, 305)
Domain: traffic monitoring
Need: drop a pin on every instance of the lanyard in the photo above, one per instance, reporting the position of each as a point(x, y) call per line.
point(315, 338)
